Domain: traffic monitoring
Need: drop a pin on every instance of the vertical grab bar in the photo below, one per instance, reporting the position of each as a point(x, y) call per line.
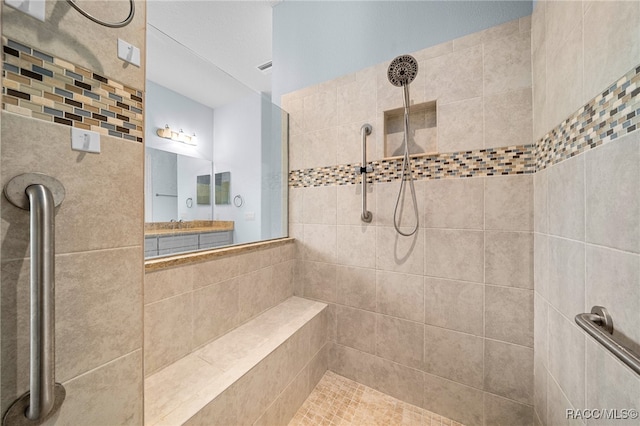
point(365, 130)
point(39, 194)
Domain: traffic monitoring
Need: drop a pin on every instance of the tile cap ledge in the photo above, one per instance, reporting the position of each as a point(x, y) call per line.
point(153, 265)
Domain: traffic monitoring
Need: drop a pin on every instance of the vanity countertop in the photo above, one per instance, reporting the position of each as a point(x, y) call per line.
point(192, 227)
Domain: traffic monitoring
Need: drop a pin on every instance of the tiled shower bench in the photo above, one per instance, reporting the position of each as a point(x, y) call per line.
point(259, 373)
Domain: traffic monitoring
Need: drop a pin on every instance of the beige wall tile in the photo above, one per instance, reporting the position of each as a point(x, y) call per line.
point(567, 276)
point(319, 243)
point(508, 118)
point(541, 264)
point(508, 203)
point(397, 253)
point(400, 295)
point(167, 331)
point(111, 394)
point(319, 281)
point(453, 400)
point(297, 151)
point(609, 382)
point(455, 356)
point(356, 328)
point(490, 34)
point(567, 198)
point(460, 126)
point(400, 341)
point(509, 259)
point(115, 174)
point(561, 18)
point(356, 246)
point(508, 371)
point(296, 204)
point(613, 195)
point(356, 287)
point(541, 375)
point(454, 203)
point(349, 206)
point(399, 381)
point(612, 279)
point(454, 254)
point(611, 38)
point(256, 293)
point(557, 406)
point(318, 333)
point(540, 202)
point(320, 110)
point(455, 76)
point(282, 410)
point(540, 108)
point(509, 315)
point(567, 356)
point(83, 327)
point(167, 283)
point(541, 330)
point(433, 51)
point(215, 311)
point(498, 410)
point(319, 205)
point(357, 99)
point(283, 280)
point(349, 145)
point(386, 196)
point(319, 148)
point(565, 78)
point(455, 305)
point(318, 366)
point(507, 64)
point(257, 389)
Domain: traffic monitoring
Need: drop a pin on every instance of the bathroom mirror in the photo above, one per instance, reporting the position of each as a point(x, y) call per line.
point(203, 125)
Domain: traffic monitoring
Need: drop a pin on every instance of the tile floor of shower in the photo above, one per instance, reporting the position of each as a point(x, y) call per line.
point(338, 401)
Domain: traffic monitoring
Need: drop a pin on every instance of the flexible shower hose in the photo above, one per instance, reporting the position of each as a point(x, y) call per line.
point(406, 171)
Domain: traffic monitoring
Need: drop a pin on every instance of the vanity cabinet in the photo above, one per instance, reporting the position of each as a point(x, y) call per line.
point(163, 245)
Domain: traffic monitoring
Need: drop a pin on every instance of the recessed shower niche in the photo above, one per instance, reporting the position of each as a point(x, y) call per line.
point(423, 130)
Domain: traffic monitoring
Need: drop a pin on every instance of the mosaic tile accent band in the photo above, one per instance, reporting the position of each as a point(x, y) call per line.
point(484, 162)
point(610, 115)
point(41, 86)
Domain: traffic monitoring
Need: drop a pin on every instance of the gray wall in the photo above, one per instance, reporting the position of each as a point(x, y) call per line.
point(319, 41)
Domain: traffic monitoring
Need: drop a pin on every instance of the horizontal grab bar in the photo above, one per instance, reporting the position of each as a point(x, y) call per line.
point(599, 325)
point(166, 195)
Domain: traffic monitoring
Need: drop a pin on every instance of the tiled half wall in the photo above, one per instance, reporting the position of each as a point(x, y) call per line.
point(41, 86)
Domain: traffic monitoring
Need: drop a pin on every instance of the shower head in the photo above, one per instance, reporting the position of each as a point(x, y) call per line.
point(402, 70)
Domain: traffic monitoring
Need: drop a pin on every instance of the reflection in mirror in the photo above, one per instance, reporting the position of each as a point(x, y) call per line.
point(204, 189)
point(223, 188)
point(201, 122)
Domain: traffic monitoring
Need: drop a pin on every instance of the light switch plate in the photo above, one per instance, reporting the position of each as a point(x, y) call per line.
point(85, 140)
point(128, 52)
point(33, 8)
point(249, 216)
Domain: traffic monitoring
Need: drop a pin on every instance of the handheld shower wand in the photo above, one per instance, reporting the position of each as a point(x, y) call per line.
point(401, 72)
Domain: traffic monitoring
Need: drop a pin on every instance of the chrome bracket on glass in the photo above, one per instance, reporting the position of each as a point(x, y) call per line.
point(40, 194)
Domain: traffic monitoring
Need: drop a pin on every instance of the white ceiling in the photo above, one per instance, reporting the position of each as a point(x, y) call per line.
point(209, 50)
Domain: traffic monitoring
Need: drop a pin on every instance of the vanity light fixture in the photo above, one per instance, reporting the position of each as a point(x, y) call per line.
point(180, 136)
